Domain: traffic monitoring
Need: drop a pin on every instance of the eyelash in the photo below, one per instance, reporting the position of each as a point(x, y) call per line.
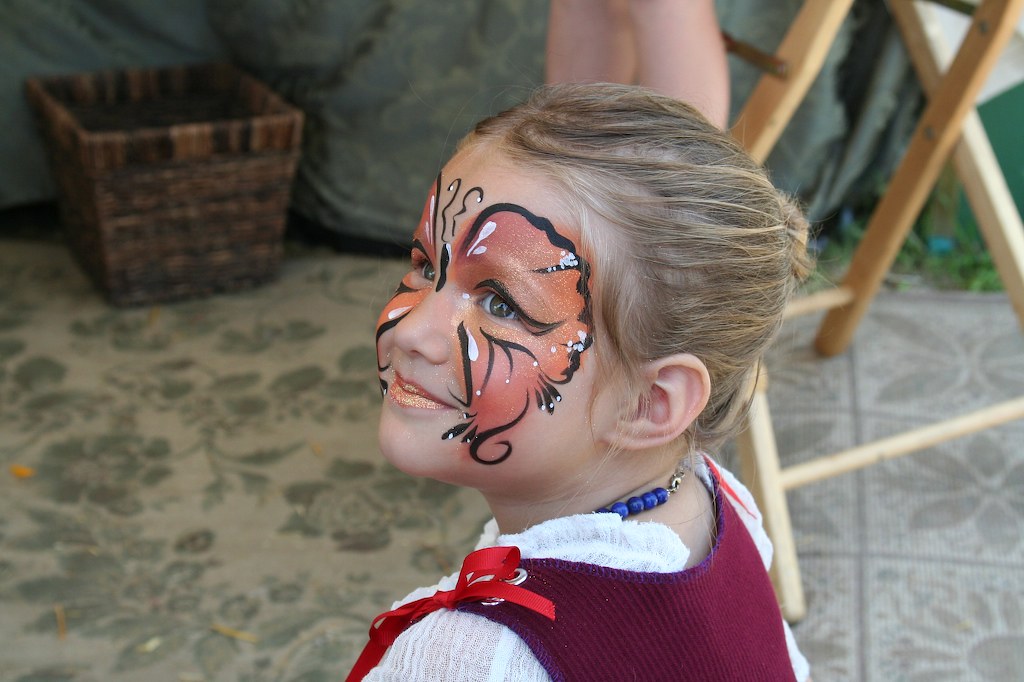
point(420, 266)
point(423, 268)
point(493, 290)
point(485, 303)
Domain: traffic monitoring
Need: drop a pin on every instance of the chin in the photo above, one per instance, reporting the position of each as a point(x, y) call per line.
point(414, 453)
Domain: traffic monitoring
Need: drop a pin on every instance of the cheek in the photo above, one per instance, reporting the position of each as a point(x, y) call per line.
point(521, 371)
point(555, 353)
point(506, 393)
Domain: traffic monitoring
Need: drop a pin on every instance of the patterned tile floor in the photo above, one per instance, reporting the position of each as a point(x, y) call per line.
point(914, 568)
point(206, 502)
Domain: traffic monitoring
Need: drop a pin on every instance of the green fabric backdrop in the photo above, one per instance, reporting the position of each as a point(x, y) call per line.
point(389, 86)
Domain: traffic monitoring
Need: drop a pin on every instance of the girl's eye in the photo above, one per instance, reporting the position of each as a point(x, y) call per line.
point(499, 307)
point(422, 269)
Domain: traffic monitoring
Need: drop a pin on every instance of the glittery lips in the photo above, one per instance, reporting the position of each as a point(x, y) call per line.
point(407, 394)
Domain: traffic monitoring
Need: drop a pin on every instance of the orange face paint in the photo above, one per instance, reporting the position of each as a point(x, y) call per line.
point(518, 292)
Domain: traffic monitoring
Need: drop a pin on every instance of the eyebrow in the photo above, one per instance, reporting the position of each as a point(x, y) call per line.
point(541, 327)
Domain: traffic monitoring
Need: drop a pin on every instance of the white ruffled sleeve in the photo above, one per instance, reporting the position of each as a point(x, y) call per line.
point(458, 647)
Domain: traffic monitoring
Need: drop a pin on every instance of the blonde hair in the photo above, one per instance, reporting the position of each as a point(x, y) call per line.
point(705, 252)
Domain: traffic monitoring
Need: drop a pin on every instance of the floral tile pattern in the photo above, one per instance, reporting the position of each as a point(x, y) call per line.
point(964, 497)
point(922, 366)
point(961, 623)
point(192, 492)
point(829, 637)
point(913, 568)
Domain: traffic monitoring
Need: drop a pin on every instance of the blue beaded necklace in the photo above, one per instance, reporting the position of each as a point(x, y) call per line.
point(649, 500)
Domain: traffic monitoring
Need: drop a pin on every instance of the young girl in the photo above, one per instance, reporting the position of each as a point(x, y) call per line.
point(594, 279)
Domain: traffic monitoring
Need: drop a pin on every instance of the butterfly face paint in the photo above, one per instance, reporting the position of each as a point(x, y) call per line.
point(517, 293)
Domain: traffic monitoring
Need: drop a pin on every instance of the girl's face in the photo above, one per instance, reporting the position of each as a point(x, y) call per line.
point(483, 352)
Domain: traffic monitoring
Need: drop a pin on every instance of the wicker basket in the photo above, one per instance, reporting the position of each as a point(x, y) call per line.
point(174, 183)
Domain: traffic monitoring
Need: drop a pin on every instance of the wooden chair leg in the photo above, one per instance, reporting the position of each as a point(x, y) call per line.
point(975, 162)
point(774, 99)
point(764, 116)
point(936, 134)
point(998, 220)
point(760, 470)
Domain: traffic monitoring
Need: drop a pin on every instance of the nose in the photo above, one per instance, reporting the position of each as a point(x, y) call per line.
point(427, 330)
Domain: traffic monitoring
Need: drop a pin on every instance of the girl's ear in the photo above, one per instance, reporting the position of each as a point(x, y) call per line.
point(676, 389)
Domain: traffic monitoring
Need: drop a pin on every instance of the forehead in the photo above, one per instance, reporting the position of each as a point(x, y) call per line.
point(480, 177)
point(507, 232)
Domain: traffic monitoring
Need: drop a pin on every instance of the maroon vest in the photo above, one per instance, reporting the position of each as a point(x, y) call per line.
point(718, 620)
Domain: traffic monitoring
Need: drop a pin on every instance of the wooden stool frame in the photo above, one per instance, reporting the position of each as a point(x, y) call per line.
point(948, 121)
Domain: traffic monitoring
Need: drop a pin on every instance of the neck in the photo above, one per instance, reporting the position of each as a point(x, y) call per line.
point(514, 513)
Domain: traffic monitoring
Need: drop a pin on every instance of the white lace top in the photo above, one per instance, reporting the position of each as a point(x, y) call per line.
point(462, 647)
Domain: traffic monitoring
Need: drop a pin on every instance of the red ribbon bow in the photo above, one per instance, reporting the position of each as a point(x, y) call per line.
point(483, 576)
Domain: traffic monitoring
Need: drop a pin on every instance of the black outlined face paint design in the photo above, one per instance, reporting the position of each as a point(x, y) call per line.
point(522, 292)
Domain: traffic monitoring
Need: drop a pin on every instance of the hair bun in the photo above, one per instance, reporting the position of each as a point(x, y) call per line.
point(798, 230)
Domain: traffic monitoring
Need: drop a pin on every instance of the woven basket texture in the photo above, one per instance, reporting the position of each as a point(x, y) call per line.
point(173, 183)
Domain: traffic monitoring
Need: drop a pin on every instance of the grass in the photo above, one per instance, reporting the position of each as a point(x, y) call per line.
point(943, 251)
